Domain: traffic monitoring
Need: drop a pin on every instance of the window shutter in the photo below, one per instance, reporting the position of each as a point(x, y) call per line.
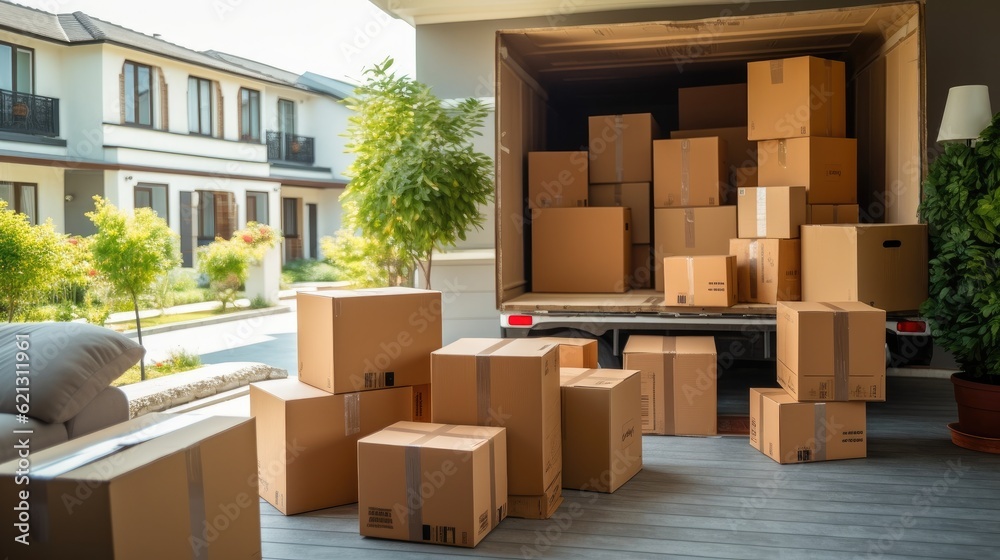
point(218, 96)
point(121, 95)
point(164, 113)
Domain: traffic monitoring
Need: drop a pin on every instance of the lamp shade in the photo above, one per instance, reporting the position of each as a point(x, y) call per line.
point(966, 113)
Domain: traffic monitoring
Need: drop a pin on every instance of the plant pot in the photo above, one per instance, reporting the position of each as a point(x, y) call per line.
point(978, 406)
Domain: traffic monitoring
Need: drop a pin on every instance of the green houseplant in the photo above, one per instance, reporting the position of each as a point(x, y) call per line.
point(962, 209)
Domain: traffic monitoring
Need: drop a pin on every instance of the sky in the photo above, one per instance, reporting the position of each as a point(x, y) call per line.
point(335, 38)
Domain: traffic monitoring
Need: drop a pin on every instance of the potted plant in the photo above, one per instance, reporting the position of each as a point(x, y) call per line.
point(962, 210)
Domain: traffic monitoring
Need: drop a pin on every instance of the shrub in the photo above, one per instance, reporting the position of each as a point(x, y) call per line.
point(31, 258)
point(365, 263)
point(226, 264)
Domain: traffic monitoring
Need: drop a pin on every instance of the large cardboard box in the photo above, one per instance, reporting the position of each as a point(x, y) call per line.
point(689, 172)
point(819, 214)
point(513, 383)
point(94, 496)
point(307, 440)
point(740, 152)
point(642, 267)
point(537, 506)
point(575, 352)
point(432, 483)
point(827, 167)
point(796, 432)
point(705, 281)
point(636, 196)
point(767, 270)
point(796, 97)
point(883, 265)
point(691, 232)
point(678, 377)
point(581, 250)
point(557, 179)
point(621, 148)
point(831, 351)
point(359, 340)
point(602, 428)
point(770, 212)
point(712, 106)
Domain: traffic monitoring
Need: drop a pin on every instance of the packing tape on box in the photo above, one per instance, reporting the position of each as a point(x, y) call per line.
point(760, 422)
point(689, 228)
point(352, 414)
point(841, 351)
point(783, 154)
point(690, 284)
point(196, 498)
point(685, 172)
point(668, 347)
point(619, 148)
point(761, 212)
point(618, 194)
point(415, 507)
point(483, 401)
point(819, 415)
point(777, 72)
point(752, 250)
point(580, 377)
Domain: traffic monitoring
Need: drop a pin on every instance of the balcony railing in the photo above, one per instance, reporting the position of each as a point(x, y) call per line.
point(28, 113)
point(289, 147)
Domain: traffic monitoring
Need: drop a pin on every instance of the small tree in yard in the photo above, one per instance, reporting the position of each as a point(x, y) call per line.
point(227, 262)
point(31, 258)
point(417, 183)
point(132, 251)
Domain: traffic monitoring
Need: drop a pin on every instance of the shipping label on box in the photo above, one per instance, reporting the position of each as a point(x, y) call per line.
point(691, 232)
point(359, 340)
point(635, 196)
point(621, 148)
point(819, 214)
point(767, 270)
point(706, 281)
point(771, 212)
point(795, 432)
point(585, 250)
point(433, 483)
point(689, 172)
point(678, 383)
point(827, 167)
point(557, 179)
point(796, 97)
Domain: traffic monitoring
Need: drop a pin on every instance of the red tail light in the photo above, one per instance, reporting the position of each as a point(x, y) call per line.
point(911, 326)
point(519, 320)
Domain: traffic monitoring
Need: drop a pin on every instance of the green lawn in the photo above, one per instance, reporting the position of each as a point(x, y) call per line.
point(169, 319)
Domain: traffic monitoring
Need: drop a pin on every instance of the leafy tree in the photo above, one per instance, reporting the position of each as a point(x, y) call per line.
point(417, 182)
point(31, 258)
point(227, 262)
point(131, 251)
point(363, 262)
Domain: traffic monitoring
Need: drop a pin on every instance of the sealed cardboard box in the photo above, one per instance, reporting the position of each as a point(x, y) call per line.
point(819, 214)
point(796, 97)
point(689, 172)
point(706, 281)
point(602, 428)
point(575, 352)
point(537, 506)
point(678, 378)
point(358, 340)
point(831, 351)
point(635, 196)
point(581, 250)
point(770, 212)
point(557, 179)
point(307, 440)
point(767, 270)
point(621, 148)
point(796, 432)
point(94, 496)
point(827, 167)
point(746, 176)
point(432, 483)
point(883, 265)
point(642, 267)
point(690, 232)
point(739, 151)
point(712, 106)
point(512, 383)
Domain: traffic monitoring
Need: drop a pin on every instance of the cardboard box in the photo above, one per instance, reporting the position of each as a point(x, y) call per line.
point(359, 340)
point(512, 383)
point(767, 270)
point(883, 265)
point(636, 196)
point(160, 486)
point(602, 428)
point(307, 440)
point(540, 506)
point(642, 267)
point(575, 352)
point(678, 377)
point(831, 351)
point(581, 250)
point(795, 432)
point(621, 148)
point(689, 172)
point(770, 212)
point(690, 232)
point(796, 97)
point(740, 152)
point(712, 106)
point(818, 214)
point(557, 179)
point(746, 176)
point(432, 483)
point(706, 281)
point(826, 167)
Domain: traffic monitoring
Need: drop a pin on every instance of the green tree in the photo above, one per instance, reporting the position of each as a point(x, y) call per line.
point(131, 251)
point(31, 258)
point(417, 182)
point(363, 262)
point(227, 262)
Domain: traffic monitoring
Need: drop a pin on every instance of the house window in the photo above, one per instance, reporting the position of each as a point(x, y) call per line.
point(216, 215)
point(138, 94)
point(257, 210)
point(150, 195)
point(21, 197)
point(17, 70)
point(249, 115)
point(200, 106)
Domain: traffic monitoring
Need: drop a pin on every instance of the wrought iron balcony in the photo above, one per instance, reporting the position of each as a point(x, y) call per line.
point(28, 113)
point(290, 147)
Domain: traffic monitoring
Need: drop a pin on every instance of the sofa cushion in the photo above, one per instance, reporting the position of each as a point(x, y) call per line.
point(68, 364)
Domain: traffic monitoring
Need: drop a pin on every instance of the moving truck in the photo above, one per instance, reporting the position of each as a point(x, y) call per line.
point(550, 81)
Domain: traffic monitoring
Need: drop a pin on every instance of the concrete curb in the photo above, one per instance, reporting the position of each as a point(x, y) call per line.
point(236, 316)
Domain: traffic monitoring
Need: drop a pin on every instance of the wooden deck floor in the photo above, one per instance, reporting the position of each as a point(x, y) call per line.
point(915, 496)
